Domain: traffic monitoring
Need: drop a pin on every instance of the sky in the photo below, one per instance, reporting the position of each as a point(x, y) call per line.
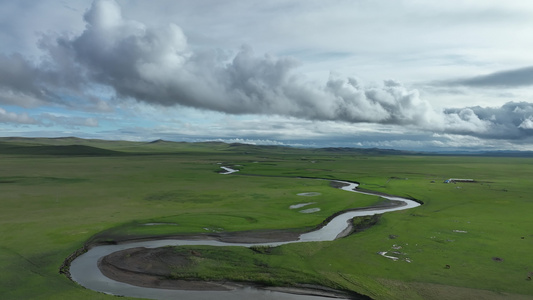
point(418, 75)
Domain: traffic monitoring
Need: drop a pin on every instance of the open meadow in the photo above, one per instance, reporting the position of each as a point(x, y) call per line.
point(469, 240)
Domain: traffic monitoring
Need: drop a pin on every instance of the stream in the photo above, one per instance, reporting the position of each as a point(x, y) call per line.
point(84, 269)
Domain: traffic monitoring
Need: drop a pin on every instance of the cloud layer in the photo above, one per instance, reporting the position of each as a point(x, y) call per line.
point(508, 78)
point(156, 65)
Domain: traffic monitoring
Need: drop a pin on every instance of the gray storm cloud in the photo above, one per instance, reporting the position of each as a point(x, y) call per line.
point(156, 65)
point(507, 78)
point(21, 83)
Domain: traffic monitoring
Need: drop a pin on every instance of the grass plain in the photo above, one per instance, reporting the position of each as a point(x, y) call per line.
point(56, 199)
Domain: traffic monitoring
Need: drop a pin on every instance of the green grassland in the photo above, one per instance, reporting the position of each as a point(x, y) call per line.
point(56, 194)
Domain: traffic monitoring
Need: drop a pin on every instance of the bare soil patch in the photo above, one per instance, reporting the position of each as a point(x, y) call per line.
point(148, 267)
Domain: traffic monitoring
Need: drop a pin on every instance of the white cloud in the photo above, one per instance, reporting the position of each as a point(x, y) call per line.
point(67, 121)
point(11, 117)
point(527, 123)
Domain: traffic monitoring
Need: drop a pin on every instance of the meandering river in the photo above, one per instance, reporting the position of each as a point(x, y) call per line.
point(84, 269)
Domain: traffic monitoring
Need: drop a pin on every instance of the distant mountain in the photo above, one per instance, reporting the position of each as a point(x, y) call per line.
point(495, 153)
point(158, 141)
point(370, 151)
point(506, 153)
point(93, 147)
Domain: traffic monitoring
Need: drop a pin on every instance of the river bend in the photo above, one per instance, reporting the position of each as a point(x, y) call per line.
point(84, 269)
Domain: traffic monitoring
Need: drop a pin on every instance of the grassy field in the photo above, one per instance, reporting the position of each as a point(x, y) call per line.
point(59, 193)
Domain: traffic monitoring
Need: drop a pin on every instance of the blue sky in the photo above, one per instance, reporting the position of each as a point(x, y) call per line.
point(414, 75)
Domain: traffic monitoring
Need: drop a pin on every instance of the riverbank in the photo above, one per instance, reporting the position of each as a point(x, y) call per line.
point(154, 268)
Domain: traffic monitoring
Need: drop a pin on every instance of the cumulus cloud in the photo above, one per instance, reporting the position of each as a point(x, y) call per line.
point(156, 65)
point(512, 120)
point(46, 120)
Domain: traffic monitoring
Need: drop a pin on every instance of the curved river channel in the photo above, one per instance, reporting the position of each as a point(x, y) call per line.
point(84, 269)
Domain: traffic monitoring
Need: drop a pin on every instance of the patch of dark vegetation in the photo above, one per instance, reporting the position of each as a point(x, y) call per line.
point(162, 196)
point(498, 259)
point(62, 150)
point(363, 223)
point(397, 178)
point(179, 196)
point(30, 180)
point(417, 215)
point(261, 249)
point(65, 266)
point(338, 184)
point(410, 197)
